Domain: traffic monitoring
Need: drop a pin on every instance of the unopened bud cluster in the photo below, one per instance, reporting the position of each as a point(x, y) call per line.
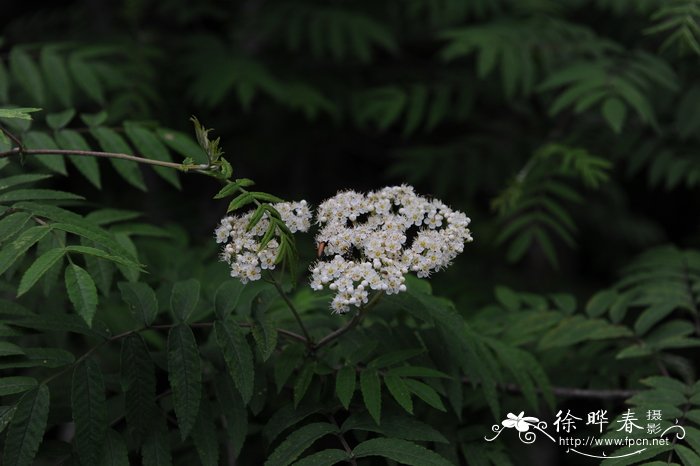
point(242, 249)
point(367, 239)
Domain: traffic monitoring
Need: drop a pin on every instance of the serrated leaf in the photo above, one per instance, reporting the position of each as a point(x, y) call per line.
point(36, 195)
point(425, 393)
point(99, 253)
point(18, 113)
point(237, 355)
point(264, 333)
point(416, 371)
point(138, 382)
point(614, 112)
point(110, 141)
point(394, 357)
point(18, 384)
point(15, 180)
point(27, 428)
point(39, 357)
point(185, 375)
point(371, 393)
point(327, 457)
point(114, 452)
point(149, 145)
point(68, 139)
point(184, 298)
point(394, 425)
point(142, 301)
point(87, 79)
point(401, 451)
point(156, 446)
point(89, 410)
point(27, 74)
point(6, 414)
point(38, 140)
point(13, 223)
point(59, 120)
point(56, 74)
point(183, 144)
point(240, 201)
point(204, 436)
point(345, 385)
point(301, 385)
point(234, 411)
point(298, 441)
point(226, 298)
point(38, 269)
point(81, 292)
point(399, 390)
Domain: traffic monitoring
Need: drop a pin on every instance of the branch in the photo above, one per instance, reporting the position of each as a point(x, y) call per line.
point(307, 338)
point(106, 155)
point(351, 324)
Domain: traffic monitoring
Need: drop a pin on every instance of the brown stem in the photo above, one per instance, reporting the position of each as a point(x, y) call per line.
point(293, 308)
point(107, 155)
point(351, 324)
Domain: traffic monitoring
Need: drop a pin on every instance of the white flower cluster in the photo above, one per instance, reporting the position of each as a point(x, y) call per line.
point(242, 248)
point(374, 239)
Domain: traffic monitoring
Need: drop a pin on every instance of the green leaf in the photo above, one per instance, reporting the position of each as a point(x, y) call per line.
point(327, 457)
point(27, 74)
point(114, 452)
point(394, 425)
point(81, 292)
point(18, 113)
point(138, 382)
point(297, 442)
point(264, 333)
point(237, 355)
point(9, 349)
point(614, 112)
point(156, 446)
point(183, 144)
point(4, 84)
point(371, 393)
point(60, 120)
point(399, 390)
point(18, 384)
point(394, 357)
point(226, 298)
point(345, 385)
point(185, 375)
point(68, 139)
point(6, 414)
point(425, 393)
point(15, 180)
point(416, 371)
point(150, 146)
point(204, 436)
point(231, 405)
point(87, 79)
point(184, 299)
point(37, 194)
point(37, 140)
point(99, 253)
point(303, 381)
point(27, 428)
point(56, 76)
point(38, 269)
point(240, 201)
point(89, 411)
point(401, 451)
point(141, 300)
point(13, 223)
point(110, 141)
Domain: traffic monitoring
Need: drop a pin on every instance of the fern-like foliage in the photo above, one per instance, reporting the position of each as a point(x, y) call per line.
point(679, 21)
point(615, 84)
point(658, 296)
point(533, 206)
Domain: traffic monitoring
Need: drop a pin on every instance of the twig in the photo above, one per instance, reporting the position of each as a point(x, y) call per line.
point(290, 304)
point(106, 155)
point(350, 325)
point(13, 137)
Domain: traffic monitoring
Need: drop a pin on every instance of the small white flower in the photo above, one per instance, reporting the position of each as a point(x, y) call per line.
point(367, 240)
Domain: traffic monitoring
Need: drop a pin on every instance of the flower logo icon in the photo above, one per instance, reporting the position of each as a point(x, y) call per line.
point(521, 422)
